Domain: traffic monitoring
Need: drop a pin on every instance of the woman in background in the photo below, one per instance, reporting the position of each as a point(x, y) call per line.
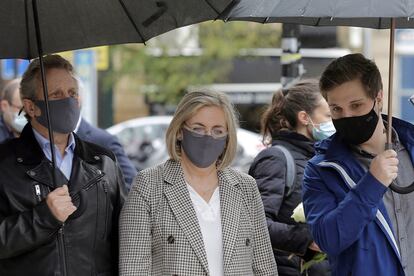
point(295, 120)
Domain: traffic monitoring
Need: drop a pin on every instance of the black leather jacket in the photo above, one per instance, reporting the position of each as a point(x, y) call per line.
point(32, 241)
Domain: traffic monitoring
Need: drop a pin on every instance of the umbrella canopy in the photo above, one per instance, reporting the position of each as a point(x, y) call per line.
point(74, 24)
point(359, 13)
point(32, 28)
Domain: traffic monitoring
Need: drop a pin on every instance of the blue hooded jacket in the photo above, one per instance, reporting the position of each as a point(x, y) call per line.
point(344, 209)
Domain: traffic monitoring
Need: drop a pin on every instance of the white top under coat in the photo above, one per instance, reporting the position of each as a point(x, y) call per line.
point(209, 219)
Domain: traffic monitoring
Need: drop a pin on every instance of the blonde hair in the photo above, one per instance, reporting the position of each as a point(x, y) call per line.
point(189, 105)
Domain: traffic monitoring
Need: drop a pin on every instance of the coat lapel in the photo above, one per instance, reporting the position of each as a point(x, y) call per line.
point(42, 173)
point(83, 177)
point(181, 205)
point(230, 205)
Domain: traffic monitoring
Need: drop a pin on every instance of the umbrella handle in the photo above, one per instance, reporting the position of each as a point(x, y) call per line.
point(83, 203)
point(402, 190)
point(395, 187)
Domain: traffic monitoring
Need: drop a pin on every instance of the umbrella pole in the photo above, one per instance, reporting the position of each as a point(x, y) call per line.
point(393, 186)
point(390, 84)
point(45, 90)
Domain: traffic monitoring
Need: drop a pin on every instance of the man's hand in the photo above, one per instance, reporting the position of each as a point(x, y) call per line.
point(384, 167)
point(60, 203)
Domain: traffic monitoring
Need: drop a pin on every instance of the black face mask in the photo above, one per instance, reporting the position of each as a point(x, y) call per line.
point(357, 130)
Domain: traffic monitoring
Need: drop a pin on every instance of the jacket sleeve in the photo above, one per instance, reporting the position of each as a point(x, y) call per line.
point(263, 259)
point(24, 231)
point(337, 225)
point(118, 204)
point(128, 170)
point(269, 172)
point(135, 233)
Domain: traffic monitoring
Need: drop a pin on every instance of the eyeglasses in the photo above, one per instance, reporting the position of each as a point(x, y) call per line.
point(215, 132)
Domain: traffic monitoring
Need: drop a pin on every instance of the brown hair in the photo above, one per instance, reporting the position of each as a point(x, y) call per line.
point(30, 77)
point(286, 104)
point(349, 68)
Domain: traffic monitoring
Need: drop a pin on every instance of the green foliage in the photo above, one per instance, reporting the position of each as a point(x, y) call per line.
point(316, 259)
point(171, 75)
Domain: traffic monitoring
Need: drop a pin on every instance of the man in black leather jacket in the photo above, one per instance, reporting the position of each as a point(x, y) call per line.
point(44, 229)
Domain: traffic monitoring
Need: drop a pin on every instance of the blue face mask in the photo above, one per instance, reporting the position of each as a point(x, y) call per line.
point(325, 130)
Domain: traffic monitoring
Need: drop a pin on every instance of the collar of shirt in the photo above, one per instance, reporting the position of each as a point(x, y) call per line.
point(45, 146)
point(78, 124)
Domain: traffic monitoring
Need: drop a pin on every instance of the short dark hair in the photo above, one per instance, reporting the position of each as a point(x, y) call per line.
point(349, 68)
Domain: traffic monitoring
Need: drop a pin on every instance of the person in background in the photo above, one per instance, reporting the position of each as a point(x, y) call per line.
point(11, 122)
point(101, 137)
point(364, 227)
point(193, 215)
point(295, 120)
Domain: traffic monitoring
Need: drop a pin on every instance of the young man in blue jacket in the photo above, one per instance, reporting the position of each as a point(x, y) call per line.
point(365, 228)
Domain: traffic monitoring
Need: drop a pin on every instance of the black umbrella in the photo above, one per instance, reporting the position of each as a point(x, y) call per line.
point(359, 13)
point(75, 24)
point(32, 28)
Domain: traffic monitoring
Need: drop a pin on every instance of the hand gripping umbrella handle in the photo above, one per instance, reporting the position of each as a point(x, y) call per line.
point(395, 187)
point(83, 203)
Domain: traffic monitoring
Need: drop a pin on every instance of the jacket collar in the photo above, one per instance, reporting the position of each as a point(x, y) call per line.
point(84, 128)
point(334, 149)
point(181, 205)
point(28, 151)
point(300, 142)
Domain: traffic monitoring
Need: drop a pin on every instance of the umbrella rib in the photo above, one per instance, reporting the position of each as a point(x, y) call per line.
point(225, 14)
point(26, 17)
point(132, 21)
point(212, 6)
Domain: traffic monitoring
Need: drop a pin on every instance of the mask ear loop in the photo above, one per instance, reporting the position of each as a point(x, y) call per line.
point(313, 124)
point(20, 111)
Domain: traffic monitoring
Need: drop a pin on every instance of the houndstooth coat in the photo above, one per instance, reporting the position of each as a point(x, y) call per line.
point(160, 235)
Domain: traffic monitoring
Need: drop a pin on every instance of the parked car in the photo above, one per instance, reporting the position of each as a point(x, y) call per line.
point(144, 142)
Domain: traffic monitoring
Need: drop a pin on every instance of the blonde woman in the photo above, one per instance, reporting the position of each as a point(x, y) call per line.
point(193, 215)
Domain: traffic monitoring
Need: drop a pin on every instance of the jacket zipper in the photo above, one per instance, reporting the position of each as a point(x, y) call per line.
point(93, 181)
point(62, 254)
point(89, 185)
point(61, 234)
point(38, 193)
point(351, 184)
point(105, 188)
